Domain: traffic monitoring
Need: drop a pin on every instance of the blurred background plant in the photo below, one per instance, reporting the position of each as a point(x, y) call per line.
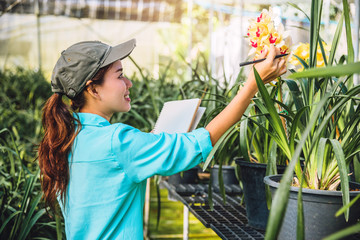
point(23, 216)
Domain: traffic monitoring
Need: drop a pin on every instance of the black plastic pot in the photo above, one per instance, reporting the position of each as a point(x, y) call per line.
point(319, 208)
point(187, 177)
point(228, 174)
point(252, 177)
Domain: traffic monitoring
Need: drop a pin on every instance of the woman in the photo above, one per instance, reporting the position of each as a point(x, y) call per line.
point(97, 170)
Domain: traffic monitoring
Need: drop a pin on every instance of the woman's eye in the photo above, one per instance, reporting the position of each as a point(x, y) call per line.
point(121, 75)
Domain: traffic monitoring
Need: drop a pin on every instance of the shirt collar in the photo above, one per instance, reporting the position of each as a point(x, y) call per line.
point(91, 119)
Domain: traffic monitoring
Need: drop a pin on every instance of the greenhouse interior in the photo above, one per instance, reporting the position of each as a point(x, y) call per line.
point(235, 119)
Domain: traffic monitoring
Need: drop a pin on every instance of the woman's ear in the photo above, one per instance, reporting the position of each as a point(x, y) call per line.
point(91, 89)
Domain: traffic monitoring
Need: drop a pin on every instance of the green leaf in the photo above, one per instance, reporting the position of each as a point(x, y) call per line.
point(243, 139)
point(272, 134)
point(316, 7)
point(158, 197)
point(300, 225)
point(350, 47)
point(26, 226)
point(303, 63)
point(210, 195)
point(58, 223)
point(295, 93)
point(32, 222)
point(320, 156)
point(221, 182)
point(344, 233)
point(323, 51)
point(222, 139)
point(296, 124)
point(274, 119)
point(340, 158)
point(336, 39)
point(339, 70)
point(3, 225)
point(298, 8)
point(271, 169)
point(347, 206)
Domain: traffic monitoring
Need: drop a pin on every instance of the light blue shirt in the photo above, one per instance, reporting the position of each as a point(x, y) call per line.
point(109, 166)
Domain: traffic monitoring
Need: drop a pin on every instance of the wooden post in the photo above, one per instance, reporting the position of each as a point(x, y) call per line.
point(147, 209)
point(37, 14)
point(186, 223)
point(190, 7)
point(356, 35)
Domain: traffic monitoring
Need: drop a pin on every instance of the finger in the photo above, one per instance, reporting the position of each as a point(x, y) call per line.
point(262, 54)
point(281, 63)
point(282, 67)
point(277, 51)
point(272, 53)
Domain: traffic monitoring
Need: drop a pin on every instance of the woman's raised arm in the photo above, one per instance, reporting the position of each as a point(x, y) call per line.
point(269, 70)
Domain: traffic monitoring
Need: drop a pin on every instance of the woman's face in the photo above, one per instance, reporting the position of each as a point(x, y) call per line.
point(114, 92)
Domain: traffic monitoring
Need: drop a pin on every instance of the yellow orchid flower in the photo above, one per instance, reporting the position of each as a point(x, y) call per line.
point(262, 32)
point(302, 50)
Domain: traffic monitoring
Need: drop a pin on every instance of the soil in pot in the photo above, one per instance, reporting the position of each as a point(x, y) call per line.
point(252, 177)
point(319, 207)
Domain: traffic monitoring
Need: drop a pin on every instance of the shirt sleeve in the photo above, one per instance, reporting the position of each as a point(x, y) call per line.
point(143, 155)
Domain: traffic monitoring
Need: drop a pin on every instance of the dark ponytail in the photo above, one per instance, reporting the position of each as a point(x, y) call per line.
point(59, 126)
point(59, 135)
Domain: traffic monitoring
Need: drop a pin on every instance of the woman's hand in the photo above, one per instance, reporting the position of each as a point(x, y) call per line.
point(270, 68)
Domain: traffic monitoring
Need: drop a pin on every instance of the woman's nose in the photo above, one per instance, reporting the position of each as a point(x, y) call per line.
point(128, 83)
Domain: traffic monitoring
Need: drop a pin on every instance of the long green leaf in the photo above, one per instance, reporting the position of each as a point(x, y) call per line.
point(337, 107)
point(336, 39)
point(340, 158)
point(344, 233)
point(271, 169)
point(243, 139)
point(347, 206)
point(296, 124)
point(323, 51)
point(26, 226)
point(303, 63)
point(350, 47)
point(298, 8)
point(32, 222)
point(316, 7)
point(3, 225)
point(320, 156)
point(339, 70)
point(295, 93)
point(58, 223)
point(300, 224)
point(229, 132)
point(275, 119)
point(273, 135)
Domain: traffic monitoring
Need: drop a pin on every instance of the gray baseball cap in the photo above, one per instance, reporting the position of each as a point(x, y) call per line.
point(81, 61)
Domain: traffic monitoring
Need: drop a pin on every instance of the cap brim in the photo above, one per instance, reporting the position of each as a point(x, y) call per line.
point(119, 52)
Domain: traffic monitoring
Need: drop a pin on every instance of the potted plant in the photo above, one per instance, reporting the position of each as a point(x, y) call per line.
point(324, 130)
point(260, 155)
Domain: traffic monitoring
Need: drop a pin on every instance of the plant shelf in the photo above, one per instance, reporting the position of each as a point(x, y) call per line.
point(227, 220)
